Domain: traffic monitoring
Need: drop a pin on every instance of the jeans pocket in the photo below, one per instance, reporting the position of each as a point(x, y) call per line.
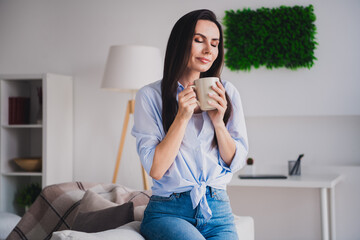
point(221, 195)
point(157, 198)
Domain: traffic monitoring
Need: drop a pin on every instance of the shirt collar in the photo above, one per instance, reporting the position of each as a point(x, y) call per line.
point(180, 86)
point(179, 90)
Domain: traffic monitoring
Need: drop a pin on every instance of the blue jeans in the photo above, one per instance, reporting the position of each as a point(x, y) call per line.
point(174, 218)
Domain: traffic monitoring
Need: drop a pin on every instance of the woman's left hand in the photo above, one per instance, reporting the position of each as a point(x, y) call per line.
point(220, 103)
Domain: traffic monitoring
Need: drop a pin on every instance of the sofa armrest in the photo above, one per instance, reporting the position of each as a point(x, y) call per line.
point(245, 227)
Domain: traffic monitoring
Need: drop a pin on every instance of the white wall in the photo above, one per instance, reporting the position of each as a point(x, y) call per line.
point(315, 111)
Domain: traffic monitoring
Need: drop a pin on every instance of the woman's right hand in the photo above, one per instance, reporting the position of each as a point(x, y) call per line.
point(168, 148)
point(187, 103)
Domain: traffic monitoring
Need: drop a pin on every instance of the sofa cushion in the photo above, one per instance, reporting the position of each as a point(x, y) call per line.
point(105, 219)
point(93, 201)
point(125, 232)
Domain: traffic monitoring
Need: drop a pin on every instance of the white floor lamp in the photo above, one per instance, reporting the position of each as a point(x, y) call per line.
point(128, 68)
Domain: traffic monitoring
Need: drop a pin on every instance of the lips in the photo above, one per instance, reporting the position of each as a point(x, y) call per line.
point(203, 60)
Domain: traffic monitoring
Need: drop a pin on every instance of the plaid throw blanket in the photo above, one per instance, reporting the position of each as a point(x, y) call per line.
point(57, 205)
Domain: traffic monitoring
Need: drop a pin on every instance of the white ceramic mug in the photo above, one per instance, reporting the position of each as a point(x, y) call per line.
point(203, 88)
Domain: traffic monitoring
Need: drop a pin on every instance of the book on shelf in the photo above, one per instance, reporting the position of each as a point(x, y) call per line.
point(19, 110)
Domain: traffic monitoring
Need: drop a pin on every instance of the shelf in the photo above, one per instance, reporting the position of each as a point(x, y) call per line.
point(22, 174)
point(19, 141)
point(22, 126)
point(22, 77)
point(51, 139)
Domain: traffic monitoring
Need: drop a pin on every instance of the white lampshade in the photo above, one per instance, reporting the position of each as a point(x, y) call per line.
point(130, 67)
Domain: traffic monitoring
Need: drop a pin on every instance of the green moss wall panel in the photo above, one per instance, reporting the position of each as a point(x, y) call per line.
point(271, 37)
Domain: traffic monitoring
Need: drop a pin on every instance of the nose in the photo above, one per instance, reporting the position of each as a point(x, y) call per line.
point(207, 48)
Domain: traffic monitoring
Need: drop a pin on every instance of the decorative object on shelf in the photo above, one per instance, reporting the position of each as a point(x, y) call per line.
point(249, 168)
point(128, 68)
point(27, 195)
point(39, 114)
point(271, 37)
point(19, 110)
point(250, 161)
point(294, 167)
point(29, 164)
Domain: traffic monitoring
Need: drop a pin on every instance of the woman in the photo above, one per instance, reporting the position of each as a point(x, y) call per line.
point(191, 155)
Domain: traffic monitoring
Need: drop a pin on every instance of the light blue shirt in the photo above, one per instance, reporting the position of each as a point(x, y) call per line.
point(197, 163)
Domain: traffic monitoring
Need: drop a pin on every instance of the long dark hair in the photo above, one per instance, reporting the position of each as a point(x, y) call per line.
point(177, 57)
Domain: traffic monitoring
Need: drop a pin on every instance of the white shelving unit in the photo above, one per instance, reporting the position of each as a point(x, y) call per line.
point(51, 139)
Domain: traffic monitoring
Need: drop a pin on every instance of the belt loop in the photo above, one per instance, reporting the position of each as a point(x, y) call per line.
point(211, 191)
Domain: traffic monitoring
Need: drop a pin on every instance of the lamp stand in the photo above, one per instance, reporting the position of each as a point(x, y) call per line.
point(129, 110)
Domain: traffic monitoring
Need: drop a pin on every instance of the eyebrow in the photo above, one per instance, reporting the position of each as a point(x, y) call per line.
point(202, 35)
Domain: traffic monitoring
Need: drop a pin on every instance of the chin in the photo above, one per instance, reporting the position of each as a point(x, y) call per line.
point(200, 67)
point(203, 69)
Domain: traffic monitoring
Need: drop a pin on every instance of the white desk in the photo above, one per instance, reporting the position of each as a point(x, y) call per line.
point(326, 183)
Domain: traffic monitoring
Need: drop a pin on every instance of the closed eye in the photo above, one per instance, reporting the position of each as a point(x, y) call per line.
point(215, 43)
point(199, 41)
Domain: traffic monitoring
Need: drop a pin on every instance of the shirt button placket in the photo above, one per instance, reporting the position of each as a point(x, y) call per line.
point(199, 157)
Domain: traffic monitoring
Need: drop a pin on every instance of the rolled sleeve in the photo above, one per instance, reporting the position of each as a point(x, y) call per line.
point(146, 129)
point(239, 158)
point(237, 129)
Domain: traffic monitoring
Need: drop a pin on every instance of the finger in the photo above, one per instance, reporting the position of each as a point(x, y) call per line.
point(222, 101)
point(217, 106)
point(193, 105)
point(219, 84)
point(186, 97)
point(185, 91)
point(183, 103)
point(219, 91)
point(189, 88)
point(190, 106)
point(191, 101)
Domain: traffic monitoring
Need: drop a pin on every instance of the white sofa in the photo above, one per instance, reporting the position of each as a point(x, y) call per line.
point(7, 222)
point(130, 231)
point(57, 211)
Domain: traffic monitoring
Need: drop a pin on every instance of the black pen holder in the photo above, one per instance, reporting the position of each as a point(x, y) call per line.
point(294, 168)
